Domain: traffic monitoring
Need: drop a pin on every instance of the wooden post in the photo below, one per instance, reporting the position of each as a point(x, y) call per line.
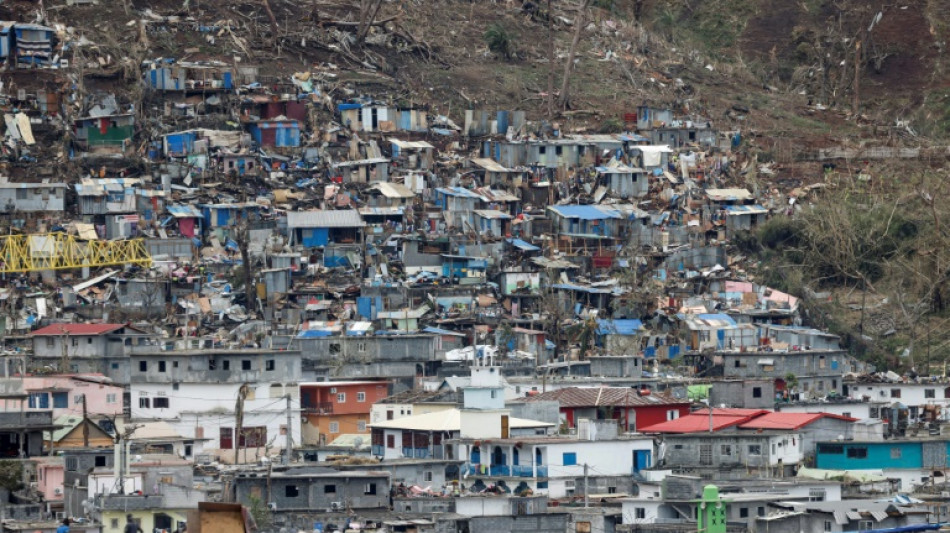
point(857, 78)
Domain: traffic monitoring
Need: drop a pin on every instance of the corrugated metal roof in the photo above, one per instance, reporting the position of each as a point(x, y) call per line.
point(523, 246)
point(585, 212)
point(781, 420)
point(745, 210)
point(721, 195)
point(492, 214)
point(459, 191)
point(360, 162)
point(391, 190)
point(421, 145)
point(489, 164)
point(77, 329)
point(622, 169)
point(604, 396)
point(321, 218)
point(183, 211)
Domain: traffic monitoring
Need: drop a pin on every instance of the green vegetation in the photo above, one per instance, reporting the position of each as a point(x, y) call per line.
point(11, 475)
point(499, 41)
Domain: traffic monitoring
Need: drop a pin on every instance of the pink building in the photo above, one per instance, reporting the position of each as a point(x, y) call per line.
point(49, 480)
point(64, 393)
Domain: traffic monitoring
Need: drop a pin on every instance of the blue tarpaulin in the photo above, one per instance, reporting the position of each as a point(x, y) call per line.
point(522, 245)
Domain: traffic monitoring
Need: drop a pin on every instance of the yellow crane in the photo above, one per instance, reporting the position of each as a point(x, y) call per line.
point(59, 251)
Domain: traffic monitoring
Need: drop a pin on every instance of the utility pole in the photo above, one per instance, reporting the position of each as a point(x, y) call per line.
point(288, 447)
point(85, 426)
point(586, 488)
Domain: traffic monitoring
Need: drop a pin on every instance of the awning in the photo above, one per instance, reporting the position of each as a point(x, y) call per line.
point(523, 246)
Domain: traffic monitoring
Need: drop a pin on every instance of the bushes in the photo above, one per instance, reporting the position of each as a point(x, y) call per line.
point(499, 41)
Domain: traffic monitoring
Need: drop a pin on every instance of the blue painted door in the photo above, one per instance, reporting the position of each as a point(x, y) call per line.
point(641, 459)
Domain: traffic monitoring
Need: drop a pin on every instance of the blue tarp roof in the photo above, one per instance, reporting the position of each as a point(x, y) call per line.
point(522, 245)
point(619, 327)
point(314, 333)
point(585, 212)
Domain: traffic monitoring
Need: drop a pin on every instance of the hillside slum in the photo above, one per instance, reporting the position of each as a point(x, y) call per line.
point(297, 303)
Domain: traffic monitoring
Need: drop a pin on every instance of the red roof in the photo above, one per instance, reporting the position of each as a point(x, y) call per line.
point(77, 329)
point(789, 420)
point(694, 424)
point(698, 421)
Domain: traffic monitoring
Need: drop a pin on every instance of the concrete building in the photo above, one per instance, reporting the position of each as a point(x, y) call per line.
point(195, 391)
point(309, 489)
point(331, 408)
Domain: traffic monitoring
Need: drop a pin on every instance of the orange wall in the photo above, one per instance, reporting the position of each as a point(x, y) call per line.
point(373, 393)
point(320, 425)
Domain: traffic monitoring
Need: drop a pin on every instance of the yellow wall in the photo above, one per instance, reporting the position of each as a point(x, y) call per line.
point(146, 519)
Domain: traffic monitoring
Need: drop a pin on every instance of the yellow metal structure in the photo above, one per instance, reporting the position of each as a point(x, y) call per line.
point(59, 251)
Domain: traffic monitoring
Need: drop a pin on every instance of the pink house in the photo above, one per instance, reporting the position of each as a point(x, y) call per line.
point(64, 393)
point(49, 479)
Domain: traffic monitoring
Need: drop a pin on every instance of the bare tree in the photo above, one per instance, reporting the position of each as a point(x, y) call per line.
point(369, 9)
point(579, 22)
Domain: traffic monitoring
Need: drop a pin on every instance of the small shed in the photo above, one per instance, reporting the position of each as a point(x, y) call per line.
point(275, 133)
point(321, 227)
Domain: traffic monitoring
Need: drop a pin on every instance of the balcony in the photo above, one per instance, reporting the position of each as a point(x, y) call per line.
point(505, 470)
point(319, 408)
point(415, 453)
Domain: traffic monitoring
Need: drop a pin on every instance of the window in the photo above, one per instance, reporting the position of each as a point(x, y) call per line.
point(369, 488)
point(865, 525)
point(211, 364)
point(361, 396)
point(494, 394)
point(291, 491)
point(60, 400)
point(725, 449)
point(830, 448)
point(895, 393)
point(174, 364)
point(756, 392)
point(743, 512)
point(858, 452)
point(226, 437)
point(755, 449)
point(361, 347)
point(361, 426)
point(672, 414)
point(874, 412)
point(895, 453)
point(761, 511)
point(558, 150)
point(930, 393)
point(641, 513)
point(827, 525)
point(269, 365)
point(245, 364)
point(427, 476)
point(846, 414)
point(144, 403)
point(569, 459)
point(390, 441)
point(341, 398)
point(542, 150)
point(100, 460)
point(816, 495)
point(72, 464)
point(110, 398)
point(705, 454)
point(160, 403)
point(329, 489)
point(226, 365)
point(389, 414)
point(115, 523)
point(143, 366)
point(161, 366)
point(50, 342)
point(334, 427)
